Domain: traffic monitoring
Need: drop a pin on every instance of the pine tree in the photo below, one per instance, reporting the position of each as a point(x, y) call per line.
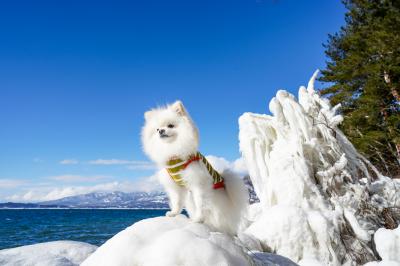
point(363, 75)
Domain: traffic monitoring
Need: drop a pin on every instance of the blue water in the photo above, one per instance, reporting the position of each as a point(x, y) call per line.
point(29, 226)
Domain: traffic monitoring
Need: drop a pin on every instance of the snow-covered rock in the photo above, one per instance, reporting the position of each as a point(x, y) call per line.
point(171, 241)
point(168, 241)
point(320, 200)
point(57, 253)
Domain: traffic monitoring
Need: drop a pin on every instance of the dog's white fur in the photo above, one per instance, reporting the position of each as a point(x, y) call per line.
point(218, 208)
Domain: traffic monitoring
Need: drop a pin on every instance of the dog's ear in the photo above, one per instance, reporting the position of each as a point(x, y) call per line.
point(148, 115)
point(179, 108)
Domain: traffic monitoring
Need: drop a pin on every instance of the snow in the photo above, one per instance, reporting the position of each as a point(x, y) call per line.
point(281, 225)
point(307, 176)
point(388, 244)
point(382, 263)
point(168, 241)
point(310, 262)
point(60, 253)
point(171, 241)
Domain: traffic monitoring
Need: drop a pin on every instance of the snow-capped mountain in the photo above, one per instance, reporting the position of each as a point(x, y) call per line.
point(114, 199)
point(250, 188)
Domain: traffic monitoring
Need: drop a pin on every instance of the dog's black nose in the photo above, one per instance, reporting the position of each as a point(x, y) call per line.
point(161, 131)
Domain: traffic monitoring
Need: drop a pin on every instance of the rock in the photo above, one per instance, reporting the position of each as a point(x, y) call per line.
point(59, 253)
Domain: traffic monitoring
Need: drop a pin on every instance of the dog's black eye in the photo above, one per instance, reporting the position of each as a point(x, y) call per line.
point(171, 126)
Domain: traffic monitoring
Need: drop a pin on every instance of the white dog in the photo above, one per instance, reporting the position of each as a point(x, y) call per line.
point(171, 139)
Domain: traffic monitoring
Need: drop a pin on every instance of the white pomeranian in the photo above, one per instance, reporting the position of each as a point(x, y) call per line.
point(171, 139)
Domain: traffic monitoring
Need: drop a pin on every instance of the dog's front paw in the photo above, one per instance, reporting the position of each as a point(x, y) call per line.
point(171, 214)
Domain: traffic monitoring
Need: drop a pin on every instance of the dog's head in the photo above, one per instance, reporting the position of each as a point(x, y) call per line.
point(169, 132)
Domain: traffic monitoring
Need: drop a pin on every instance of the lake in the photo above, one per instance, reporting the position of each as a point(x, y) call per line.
point(19, 227)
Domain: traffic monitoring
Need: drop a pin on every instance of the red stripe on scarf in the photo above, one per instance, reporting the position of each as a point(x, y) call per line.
point(219, 185)
point(191, 160)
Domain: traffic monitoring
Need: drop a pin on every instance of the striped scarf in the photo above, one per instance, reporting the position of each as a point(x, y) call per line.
point(175, 166)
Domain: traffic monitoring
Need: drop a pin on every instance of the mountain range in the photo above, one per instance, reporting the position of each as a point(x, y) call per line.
point(116, 199)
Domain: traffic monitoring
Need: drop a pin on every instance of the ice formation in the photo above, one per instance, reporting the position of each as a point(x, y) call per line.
point(59, 253)
point(319, 198)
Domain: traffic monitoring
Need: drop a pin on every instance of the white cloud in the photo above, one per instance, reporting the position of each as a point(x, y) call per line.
point(141, 165)
point(110, 162)
point(69, 161)
point(132, 165)
point(220, 164)
point(239, 166)
point(147, 184)
point(43, 191)
point(77, 178)
point(11, 183)
point(46, 193)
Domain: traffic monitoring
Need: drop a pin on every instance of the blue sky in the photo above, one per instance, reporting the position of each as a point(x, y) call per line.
point(77, 76)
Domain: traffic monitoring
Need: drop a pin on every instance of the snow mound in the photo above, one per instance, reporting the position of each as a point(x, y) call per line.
point(388, 244)
point(168, 241)
point(171, 241)
point(60, 253)
point(320, 200)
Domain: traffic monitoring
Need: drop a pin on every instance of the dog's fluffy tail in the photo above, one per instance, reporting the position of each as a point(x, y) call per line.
point(237, 193)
